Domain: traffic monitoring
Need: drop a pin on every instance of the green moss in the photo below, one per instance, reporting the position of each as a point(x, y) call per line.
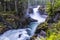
point(43, 25)
point(51, 9)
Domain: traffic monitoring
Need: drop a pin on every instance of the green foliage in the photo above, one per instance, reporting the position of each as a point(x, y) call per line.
point(57, 4)
point(53, 37)
point(48, 8)
point(52, 7)
point(43, 25)
point(53, 32)
point(9, 14)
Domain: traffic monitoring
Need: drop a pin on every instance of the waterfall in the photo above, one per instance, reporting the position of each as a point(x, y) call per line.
point(26, 33)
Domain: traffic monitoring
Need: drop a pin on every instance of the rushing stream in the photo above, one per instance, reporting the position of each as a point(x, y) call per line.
point(25, 34)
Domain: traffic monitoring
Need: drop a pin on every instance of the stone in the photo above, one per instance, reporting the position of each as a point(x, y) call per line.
point(30, 10)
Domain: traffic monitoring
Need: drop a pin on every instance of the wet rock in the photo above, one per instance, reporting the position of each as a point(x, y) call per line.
point(43, 33)
point(54, 19)
point(41, 10)
point(33, 37)
point(32, 20)
point(3, 29)
point(57, 17)
point(25, 21)
point(19, 35)
point(30, 10)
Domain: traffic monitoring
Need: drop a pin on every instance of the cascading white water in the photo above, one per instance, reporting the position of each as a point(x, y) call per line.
point(23, 34)
point(40, 18)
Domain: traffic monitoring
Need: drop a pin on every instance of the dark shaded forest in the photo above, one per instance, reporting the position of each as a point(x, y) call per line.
point(12, 13)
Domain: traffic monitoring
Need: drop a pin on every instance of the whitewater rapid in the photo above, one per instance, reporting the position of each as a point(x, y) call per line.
point(23, 34)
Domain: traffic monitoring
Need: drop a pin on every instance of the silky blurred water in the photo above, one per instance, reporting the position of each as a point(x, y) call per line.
point(25, 34)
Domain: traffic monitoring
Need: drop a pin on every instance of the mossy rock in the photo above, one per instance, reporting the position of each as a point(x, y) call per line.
point(3, 28)
point(43, 25)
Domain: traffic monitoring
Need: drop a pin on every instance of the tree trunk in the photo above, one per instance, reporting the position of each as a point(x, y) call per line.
point(16, 6)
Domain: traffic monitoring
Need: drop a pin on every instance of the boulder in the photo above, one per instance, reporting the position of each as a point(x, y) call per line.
point(41, 10)
point(30, 10)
